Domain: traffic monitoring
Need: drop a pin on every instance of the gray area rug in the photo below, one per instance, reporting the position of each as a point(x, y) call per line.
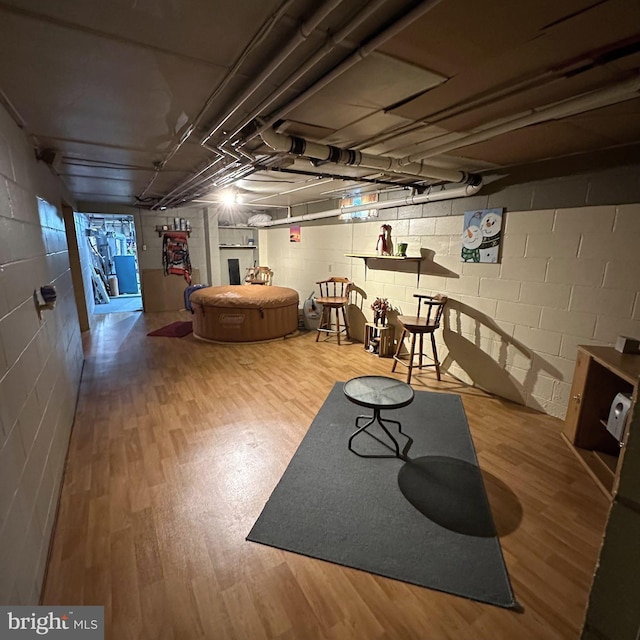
point(425, 520)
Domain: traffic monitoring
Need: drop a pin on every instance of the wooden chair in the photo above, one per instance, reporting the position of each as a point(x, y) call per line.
point(432, 308)
point(259, 275)
point(334, 296)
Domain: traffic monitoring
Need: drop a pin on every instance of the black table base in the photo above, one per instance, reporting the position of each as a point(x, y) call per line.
point(377, 418)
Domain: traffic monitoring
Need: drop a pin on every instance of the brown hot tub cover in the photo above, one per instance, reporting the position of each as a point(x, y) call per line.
point(244, 313)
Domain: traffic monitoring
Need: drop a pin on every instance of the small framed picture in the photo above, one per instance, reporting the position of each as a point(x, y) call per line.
point(481, 235)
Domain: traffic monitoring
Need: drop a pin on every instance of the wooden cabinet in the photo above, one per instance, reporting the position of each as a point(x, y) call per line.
point(600, 374)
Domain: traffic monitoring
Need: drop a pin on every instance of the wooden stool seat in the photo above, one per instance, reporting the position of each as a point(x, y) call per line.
point(334, 297)
point(420, 325)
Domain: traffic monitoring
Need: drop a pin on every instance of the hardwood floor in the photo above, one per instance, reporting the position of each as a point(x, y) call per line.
point(178, 444)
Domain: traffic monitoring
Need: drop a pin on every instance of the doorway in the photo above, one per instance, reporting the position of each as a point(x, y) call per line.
point(114, 253)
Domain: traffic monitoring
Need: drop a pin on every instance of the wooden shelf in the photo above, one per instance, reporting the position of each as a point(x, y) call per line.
point(391, 259)
point(600, 374)
point(160, 231)
point(375, 256)
point(599, 470)
point(607, 463)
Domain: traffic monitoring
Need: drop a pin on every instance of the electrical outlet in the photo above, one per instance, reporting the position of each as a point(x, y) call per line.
point(330, 268)
point(144, 247)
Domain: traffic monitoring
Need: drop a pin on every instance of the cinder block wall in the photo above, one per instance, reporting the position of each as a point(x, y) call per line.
point(567, 277)
point(40, 363)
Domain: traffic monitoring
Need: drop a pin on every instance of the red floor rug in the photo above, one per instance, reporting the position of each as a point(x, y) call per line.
point(174, 330)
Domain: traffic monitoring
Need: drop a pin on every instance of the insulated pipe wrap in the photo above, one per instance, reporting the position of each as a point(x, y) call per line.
point(334, 154)
point(298, 146)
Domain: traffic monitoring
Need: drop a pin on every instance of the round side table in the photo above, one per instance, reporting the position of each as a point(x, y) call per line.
point(378, 393)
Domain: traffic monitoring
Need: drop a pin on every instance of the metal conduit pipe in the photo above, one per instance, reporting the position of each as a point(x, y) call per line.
point(228, 152)
point(362, 52)
point(238, 174)
point(236, 153)
point(239, 157)
point(264, 31)
point(445, 194)
point(182, 187)
point(202, 188)
point(619, 92)
point(295, 145)
point(192, 183)
point(302, 34)
point(204, 178)
point(329, 45)
point(354, 58)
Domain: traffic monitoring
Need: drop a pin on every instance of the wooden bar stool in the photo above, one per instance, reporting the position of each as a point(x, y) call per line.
point(419, 325)
point(334, 296)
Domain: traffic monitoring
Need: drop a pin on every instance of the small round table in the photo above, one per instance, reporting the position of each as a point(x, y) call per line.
point(378, 393)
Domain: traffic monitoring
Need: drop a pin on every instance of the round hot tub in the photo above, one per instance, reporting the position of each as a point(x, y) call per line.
point(244, 313)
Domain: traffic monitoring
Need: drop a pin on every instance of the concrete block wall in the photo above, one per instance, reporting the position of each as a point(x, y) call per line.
point(566, 277)
point(40, 363)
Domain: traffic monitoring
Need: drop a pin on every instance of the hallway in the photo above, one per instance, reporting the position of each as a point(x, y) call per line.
point(120, 304)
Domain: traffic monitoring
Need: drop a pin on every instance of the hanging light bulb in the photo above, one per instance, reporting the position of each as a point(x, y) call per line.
point(228, 197)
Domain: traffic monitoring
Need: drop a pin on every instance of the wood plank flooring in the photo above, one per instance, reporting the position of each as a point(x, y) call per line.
point(178, 444)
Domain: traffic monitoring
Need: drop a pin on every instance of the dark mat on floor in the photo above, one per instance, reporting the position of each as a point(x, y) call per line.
point(425, 521)
point(174, 330)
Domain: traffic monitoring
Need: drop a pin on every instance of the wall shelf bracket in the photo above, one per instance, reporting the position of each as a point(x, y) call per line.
point(390, 260)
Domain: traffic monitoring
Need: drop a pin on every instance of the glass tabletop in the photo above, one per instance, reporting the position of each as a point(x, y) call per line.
point(378, 392)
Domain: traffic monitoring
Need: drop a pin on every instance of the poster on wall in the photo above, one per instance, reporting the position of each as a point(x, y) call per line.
point(481, 235)
point(294, 234)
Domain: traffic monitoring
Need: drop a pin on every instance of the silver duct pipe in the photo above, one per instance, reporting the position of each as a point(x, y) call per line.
point(445, 194)
point(297, 146)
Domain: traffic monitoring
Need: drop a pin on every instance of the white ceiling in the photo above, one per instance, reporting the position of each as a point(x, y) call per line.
point(119, 96)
